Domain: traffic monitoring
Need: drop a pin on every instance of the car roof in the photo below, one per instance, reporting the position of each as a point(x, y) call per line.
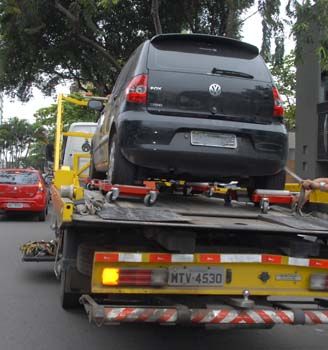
point(212, 38)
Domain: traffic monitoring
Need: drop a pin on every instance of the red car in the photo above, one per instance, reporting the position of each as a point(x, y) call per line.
point(23, 190)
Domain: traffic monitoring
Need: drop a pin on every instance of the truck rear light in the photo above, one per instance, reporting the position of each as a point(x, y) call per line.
point(319, 281)
point(278, 109)
point(136, 91)
point(110, 276)
point(134, 277)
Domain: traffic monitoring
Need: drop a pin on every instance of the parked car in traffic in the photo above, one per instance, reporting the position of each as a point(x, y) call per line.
point(23, 190)
point(193, 107)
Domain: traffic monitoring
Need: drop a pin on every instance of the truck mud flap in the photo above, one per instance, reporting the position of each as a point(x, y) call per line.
point(178, 314)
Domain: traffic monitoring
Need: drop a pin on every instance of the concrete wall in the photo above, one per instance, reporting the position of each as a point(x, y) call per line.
point(308, 92)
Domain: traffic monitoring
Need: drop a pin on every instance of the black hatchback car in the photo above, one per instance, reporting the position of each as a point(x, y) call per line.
point(193, 107)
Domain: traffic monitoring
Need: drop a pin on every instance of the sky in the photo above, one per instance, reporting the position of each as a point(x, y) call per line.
point(252, 33)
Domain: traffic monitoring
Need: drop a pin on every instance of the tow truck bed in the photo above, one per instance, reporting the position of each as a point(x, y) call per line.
point(200, 212)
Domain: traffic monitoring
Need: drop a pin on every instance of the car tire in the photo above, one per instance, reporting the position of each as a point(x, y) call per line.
point(93, 173)
point(43, 215)
point(272, 182)
point(120, 171)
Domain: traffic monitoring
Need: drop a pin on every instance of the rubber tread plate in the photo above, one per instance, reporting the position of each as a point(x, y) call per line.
point(299, 222)
point(139, 214)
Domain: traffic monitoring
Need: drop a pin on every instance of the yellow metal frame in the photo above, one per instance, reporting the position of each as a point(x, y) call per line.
point(317, 196)
point(244, 276)
point(63, 207)
point(64, 176)
point(76, 164)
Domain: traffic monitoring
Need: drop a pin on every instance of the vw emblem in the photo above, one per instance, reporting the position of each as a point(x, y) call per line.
point(215, 89)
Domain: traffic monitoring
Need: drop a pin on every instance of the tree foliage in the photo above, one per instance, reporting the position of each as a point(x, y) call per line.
point(284, 75)
point(22, 144)
point(309, 25)
point(17, 137)
point(46, 117)
point(88, 41)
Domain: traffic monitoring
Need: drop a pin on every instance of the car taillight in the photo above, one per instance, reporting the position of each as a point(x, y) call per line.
point(278, 109)
point(134, 277)
point(136, 91)
point(319, 281)
point(40, 187)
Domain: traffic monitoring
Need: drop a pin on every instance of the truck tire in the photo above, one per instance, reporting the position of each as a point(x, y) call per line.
point(84, 258)
point(68, 300)
point(120, 171)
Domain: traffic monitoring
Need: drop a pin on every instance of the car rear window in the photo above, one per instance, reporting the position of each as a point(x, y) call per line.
point(18, 178)
point(202, 56)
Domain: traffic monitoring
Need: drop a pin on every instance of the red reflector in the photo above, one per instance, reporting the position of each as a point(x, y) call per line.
point(136, 91)
point(319, 263)
point(271, 259)
point(209, 258)
point(106, 257)
point(278, 109)
point(161, 257)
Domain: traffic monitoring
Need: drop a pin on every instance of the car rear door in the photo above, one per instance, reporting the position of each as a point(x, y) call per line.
point(15, 184)
point(208, 77)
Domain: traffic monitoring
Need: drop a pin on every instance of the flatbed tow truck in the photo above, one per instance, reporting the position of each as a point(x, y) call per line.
point(181, 258)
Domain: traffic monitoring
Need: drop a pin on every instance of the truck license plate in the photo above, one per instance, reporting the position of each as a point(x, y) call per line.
point(196, 276)
point(213, 139)
point(14, 205)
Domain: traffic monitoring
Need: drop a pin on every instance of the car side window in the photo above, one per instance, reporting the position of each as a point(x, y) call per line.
point(126, 73)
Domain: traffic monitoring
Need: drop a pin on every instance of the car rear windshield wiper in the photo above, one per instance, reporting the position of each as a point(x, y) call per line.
point(231, 73)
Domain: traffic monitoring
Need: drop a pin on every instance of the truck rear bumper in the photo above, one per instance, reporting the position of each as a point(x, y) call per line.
point(180, 314)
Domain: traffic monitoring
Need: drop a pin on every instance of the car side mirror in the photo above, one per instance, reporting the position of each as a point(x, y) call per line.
point(96, 105)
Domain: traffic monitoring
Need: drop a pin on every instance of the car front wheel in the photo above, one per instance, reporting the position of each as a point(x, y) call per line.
point(120, 171)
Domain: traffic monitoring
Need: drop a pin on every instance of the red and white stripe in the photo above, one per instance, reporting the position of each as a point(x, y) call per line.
point(208, 258)
point(133, 314)
point(212, 316)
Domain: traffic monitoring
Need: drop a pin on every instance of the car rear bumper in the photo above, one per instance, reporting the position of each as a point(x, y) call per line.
point(163, 145)
point(22, 205)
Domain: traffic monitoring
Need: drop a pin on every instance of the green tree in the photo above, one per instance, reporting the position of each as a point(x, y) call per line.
point(284, 75)
point(309, 24)
point(44, 42)
point(16, 139)
point(46, 117)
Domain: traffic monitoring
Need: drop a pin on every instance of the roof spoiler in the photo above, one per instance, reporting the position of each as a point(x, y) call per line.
point(209, 38)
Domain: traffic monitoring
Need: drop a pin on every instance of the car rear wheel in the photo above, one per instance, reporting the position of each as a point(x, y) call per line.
point(93, 173)
point(43, 215)
point(273, 182)
point(120, 171)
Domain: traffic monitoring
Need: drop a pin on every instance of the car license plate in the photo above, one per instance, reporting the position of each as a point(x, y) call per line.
point(14, 205)
point(196, 277)
point(213, 139)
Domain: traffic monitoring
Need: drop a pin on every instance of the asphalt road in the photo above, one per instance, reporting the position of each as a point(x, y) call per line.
point(32, 319)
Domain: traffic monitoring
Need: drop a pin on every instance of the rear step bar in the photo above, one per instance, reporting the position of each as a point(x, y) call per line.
point(180, 314)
